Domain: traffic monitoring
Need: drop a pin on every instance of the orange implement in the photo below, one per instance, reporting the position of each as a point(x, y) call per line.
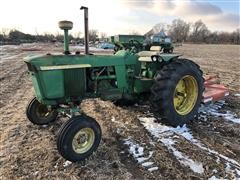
point(213, 91)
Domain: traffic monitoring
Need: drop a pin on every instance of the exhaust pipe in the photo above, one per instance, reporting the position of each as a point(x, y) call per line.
point(86, 32)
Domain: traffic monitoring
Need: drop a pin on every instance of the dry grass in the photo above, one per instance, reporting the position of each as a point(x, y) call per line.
point(29, 152)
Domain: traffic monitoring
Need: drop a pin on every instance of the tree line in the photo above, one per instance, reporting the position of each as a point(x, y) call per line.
point(178, 30)
point(198, 32)
point(15, 36)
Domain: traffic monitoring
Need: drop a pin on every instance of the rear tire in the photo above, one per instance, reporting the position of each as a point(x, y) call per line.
point(39, 114)
point(177, 92)
point(78, 138)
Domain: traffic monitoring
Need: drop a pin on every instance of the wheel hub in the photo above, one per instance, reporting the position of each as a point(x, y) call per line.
point(83, 140)
point(185, 95)
point(43, 111)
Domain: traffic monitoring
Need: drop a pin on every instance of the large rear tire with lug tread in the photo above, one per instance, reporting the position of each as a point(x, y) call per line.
point(177, 92)
point(78, 138)
point(39, 113)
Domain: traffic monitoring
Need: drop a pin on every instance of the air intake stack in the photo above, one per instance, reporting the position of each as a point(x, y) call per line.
point(66, 26)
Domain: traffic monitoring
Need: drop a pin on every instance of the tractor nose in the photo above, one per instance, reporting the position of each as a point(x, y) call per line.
point(66, 26)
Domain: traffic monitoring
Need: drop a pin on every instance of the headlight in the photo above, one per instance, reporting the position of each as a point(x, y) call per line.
point(154, 58)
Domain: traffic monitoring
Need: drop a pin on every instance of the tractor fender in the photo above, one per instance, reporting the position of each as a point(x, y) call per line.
point(165, 57)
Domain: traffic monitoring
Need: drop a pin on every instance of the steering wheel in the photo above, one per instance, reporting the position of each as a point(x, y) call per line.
point(134, 45)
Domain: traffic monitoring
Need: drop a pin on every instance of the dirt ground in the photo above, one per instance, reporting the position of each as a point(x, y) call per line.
point(134, 145)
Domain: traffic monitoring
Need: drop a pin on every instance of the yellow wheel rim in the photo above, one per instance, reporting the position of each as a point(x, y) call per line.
point(185, 95)
point(83, 140)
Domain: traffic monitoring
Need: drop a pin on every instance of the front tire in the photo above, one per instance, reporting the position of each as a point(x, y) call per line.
point(78, 138)
point(39, 114)
point(177, 92)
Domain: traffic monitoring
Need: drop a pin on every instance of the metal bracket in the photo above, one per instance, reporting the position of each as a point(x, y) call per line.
point(69, 112)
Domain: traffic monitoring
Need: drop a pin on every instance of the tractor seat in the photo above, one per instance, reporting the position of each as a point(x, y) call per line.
point(146, 55)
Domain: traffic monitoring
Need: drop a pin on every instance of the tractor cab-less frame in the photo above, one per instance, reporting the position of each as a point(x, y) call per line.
point(173, 86)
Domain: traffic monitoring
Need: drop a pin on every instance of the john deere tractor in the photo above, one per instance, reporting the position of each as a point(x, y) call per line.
point(139, 43)
point(174, 87)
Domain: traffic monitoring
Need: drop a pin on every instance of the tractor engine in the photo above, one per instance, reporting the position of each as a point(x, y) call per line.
point(100, 79)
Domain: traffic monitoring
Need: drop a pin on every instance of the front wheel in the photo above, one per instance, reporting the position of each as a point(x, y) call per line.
point(39, 113)
point(177, 92)
point(78, 138)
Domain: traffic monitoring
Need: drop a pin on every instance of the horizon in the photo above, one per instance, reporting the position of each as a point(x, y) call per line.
point(118, 16)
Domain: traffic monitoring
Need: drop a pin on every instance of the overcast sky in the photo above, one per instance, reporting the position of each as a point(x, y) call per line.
point(116, 16)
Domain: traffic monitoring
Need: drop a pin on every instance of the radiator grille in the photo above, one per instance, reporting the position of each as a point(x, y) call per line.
point(75, 82)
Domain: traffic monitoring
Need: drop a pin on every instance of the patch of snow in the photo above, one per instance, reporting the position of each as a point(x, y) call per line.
point(137, 152)
point(145, 164)
point(165, 135)
point(213, 178)
point(142, 159)
point(196, 167)
point(238, 172)
point(168, 135)
point(67, 163)
point(237, 95)
point(153, 169)
point(212, 109)
point(229, 170)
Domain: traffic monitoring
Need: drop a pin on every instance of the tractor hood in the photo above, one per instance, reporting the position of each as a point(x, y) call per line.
point(51, 62)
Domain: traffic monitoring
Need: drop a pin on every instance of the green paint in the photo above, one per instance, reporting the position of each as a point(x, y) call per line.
point(66, 78)
point(66, 41)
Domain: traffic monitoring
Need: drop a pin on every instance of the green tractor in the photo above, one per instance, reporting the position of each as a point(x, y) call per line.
point(128, 42)
point(174, 87)
point(157, 42)
point(162, 40)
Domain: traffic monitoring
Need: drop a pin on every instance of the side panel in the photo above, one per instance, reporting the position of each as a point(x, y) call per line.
point(36, 86)
point(121, 77)
point(52, 83)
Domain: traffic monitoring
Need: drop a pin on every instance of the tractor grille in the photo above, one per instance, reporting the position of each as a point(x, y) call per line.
point(75, 82)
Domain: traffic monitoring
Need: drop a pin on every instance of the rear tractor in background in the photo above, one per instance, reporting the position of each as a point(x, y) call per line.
point(136, 43)
point(174, 87)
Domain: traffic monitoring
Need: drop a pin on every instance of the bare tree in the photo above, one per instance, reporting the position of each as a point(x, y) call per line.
point(1, 38)
point(93, 35)
point(200, 32)
point(103, 36)
point(179, 30)
point(236, 36)
point(77, 34)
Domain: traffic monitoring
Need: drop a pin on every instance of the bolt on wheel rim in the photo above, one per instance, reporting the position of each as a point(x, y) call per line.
point(83, 140)
point(185, 95)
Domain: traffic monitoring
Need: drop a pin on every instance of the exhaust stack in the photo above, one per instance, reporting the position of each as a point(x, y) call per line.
point(86, 32)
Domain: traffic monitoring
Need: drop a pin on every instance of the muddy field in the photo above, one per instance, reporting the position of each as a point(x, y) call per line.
point(134, 145)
